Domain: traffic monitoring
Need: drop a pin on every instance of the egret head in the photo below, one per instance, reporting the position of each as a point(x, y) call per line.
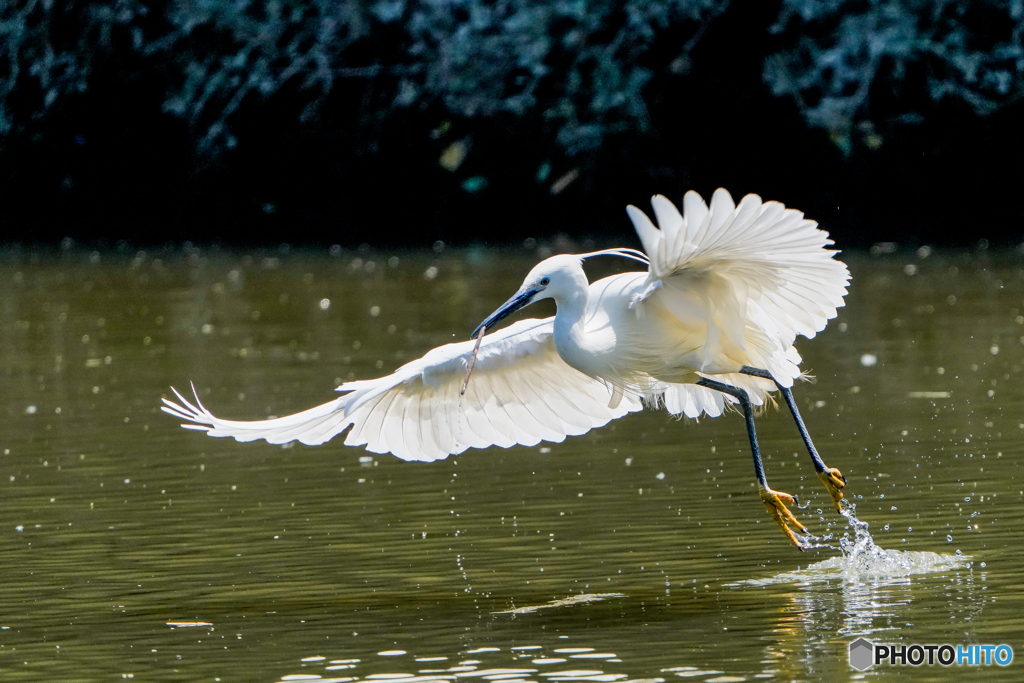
point(552, 278)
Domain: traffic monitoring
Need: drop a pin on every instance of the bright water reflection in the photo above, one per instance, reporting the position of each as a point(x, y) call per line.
point(133, 547)
point(517, 663)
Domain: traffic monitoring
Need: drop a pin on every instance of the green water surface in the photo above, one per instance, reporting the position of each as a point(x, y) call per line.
point(132, 547)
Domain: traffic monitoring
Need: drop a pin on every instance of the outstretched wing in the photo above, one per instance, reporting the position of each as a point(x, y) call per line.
point(521, 392)
point(758, 273)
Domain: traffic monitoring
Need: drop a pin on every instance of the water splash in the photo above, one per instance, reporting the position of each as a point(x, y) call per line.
point(861, 543)
point(862, 559)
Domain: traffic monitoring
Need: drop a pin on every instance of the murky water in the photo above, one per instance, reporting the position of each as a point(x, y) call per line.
point(131, 547)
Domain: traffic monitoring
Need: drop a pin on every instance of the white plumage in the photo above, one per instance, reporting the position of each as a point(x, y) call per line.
point(521, 393)
point(727, 286)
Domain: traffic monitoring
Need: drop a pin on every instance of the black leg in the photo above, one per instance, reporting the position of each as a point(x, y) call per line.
point(832, 478)
point(787, 394)
point(748, 413)
point(773, 500)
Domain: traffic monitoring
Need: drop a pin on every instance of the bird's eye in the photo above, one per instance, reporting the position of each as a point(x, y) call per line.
point(545, 281)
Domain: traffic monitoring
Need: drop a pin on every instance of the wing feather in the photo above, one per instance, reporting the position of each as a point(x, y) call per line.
point(521, 391)
point(570, 419)
point(440, 430)
point(541, 409)
point(493, 409)
point(477, 418)
point(525, 427)
point(531, 430)
point(378, 429)
point(669, 219)
point(390, 436)
point(412, 437)
point(755, 264)
point(753, 274)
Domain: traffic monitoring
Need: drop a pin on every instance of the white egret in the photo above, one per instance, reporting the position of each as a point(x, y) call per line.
point(711, 322)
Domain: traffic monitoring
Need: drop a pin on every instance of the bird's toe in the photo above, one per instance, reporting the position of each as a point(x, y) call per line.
point(776, 501)
point(834, 481)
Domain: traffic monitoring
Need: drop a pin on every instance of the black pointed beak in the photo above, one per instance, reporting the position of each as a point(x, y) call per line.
point(520, 300)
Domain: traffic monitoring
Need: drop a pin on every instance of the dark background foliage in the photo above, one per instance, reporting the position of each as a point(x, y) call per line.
point(398, 123)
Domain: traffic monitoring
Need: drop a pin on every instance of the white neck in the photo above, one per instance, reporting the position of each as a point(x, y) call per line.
point(569, 332)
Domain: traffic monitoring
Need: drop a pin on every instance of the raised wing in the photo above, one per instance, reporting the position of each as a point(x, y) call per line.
point(521, 392)
point(758, 273)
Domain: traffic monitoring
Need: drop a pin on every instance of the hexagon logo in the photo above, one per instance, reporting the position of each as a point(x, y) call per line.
point(861, 654)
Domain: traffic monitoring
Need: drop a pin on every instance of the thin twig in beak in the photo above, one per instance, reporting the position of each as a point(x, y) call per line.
point(472, 361)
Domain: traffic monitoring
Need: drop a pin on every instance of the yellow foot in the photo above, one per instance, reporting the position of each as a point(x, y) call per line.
point(834, 481)
point(776, 501)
